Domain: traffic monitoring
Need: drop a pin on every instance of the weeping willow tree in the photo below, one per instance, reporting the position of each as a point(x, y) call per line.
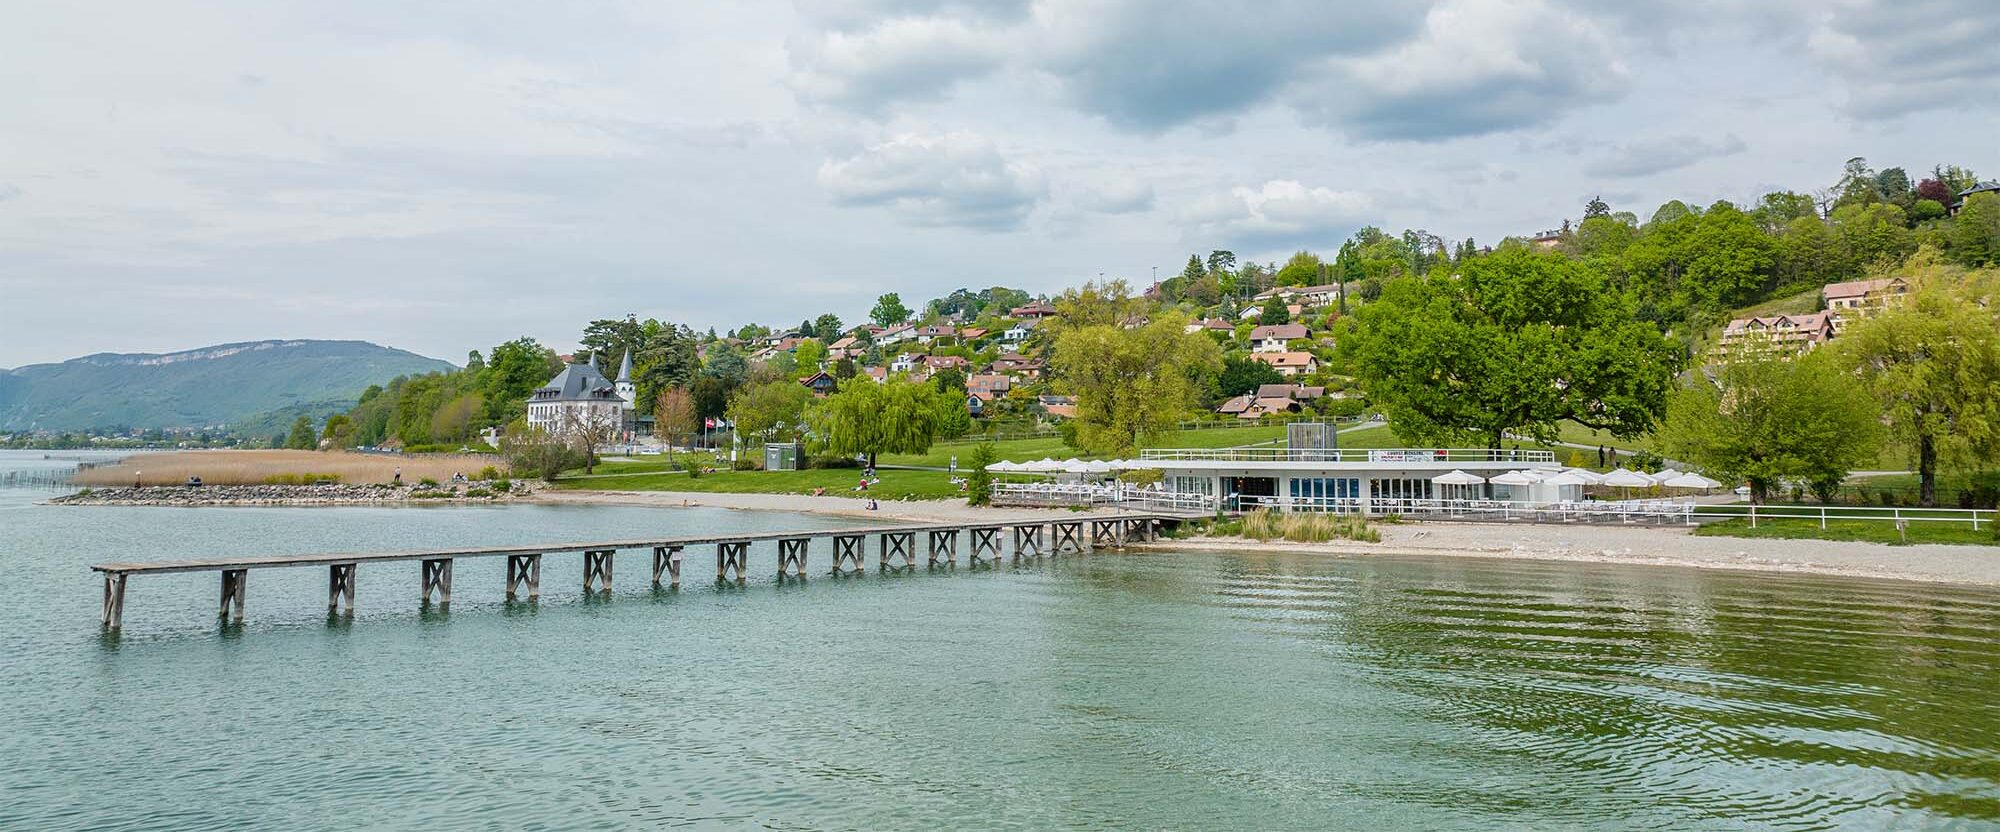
point(894, 417)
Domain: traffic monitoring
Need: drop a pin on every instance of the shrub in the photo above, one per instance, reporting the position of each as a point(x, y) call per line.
point(692, 463)
point(503, 485)
point(747, 464)
point(979, 481)
point(301, 479)
point(431, 494)
point(487, 474)
point(1306, 527)
point(478, 493)
point(427, 482)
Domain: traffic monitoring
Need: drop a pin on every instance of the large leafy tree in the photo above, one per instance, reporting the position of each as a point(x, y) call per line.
point(1242, 375)
point(1975, 233)
point(1933, 363)
point(894, 417)
point(1515, 342)
point(771, 411)
point(1303, 269)
point(827, 327)
point(1768, 415)
point(889, 310)
point(1132, 383)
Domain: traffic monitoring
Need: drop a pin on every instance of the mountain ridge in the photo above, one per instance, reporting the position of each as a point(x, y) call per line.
point(210, 386)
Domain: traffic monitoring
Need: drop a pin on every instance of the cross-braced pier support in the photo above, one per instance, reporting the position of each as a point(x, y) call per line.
point(847, 551)
point(1067, 537)
point(792, 555)
point(524, 572)
point(114, 600)
point(1139, 529)
point(597, 571)
point(234, 581)
point(732, 554)
point(897, 546)
point(1107, 533)
point(985, 545)
point(944, 541)
point(667, 561)
point(340, 586)
point(437, 579)
point(1028, 541)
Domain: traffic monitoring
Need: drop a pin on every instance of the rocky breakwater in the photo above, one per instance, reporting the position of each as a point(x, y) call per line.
point(298, 495)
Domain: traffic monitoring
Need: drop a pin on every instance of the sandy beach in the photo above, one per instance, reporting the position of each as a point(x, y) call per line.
point(1637, 545)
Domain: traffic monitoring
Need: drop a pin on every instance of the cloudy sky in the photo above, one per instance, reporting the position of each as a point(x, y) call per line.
point(443, 176)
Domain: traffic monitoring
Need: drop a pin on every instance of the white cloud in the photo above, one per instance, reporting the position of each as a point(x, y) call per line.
point(1128, 195)
point(956, 179)
point(1646, 157)
point(1910, 56)
point(901, 59)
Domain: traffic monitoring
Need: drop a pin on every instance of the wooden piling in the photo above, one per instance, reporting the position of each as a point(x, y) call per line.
point(732, 554)
point(792, 555)
point(340, 585)
point(985, 544)
point(848, 549)
point(667, 560)
point(436, 577)
point(234, 582)
point(114, 600)
point(899, 546)
point(524, 571)
point(597, 571)
point(1028, 541)
point(946, 541)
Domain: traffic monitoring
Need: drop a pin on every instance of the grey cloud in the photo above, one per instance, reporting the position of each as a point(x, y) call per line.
point(1650, 156)
point(902, 59)
point(1911, 56)
point(956, 179)
point(1479, 67)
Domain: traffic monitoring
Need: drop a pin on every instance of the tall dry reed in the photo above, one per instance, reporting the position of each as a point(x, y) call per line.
point(1307, 527)
point(257, 467)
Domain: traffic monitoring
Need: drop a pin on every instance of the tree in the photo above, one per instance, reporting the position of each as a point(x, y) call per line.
point(513, 370)
point(1933, 364)
point(1873, 233)
point(827, 327)
point(1194, 270)
point(585, 430)
point(1518, 341)
point(889, 310)
point(1936, 191)
point(1242, 375)
point(613, 338)
point(1771, 416)
point(1596, 207)
point(770, 411)
point(1275, 312)
point(1975, 233)
point(949, 381)
point(533, 451)
point(894, 417)
point(339, 428)
point(1221, 262)
point(811, 353)
point(727, 363)
point(302, 437)
point(1093, 304)
point(674, 420)
point(1132, 383)
point(978, 480)
point(1303, 269)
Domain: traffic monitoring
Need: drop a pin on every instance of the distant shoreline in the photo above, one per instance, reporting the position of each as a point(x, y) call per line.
point(297, 495)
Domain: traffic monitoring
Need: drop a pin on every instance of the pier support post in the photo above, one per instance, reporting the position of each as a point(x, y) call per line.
point(792, 555)
point(732, 554)
point(1068, 537)
point(667, 561)
point(985, 544)
point(114, 600)
point(848, 548)
point(340, 586)
point(1105, 533)
point(234, 582)
point(524, 571)
point(946, 541)
point(897, 545)
point(437, 578)
point(597, 571)
point(1028, 541)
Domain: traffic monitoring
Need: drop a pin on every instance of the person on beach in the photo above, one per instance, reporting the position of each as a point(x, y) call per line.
point(399, 476)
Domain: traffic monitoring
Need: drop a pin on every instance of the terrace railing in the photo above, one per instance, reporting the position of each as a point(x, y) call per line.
point(1082, 495)
point(1380, 455)
point(1662, 510)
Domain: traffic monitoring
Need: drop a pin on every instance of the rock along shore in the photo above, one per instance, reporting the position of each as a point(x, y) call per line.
point(295, 495)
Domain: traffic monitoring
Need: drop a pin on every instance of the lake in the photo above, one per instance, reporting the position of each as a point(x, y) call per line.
point(1106, 691)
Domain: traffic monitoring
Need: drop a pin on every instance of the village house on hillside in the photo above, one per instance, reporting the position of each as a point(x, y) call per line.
point(580, 398)
point(1796, 333)
point(1322, 295)
point(1855, 299)
point(1275, 337)
point(1288, 363)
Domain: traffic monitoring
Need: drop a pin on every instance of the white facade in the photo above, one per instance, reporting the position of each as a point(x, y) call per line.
point(1369, 481)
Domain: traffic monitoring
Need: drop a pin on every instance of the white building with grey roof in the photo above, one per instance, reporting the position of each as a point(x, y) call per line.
point(581, 397)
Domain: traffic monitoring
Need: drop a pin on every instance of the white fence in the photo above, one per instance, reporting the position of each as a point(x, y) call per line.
point(1377, 455)
point(1624, 511)
point(1076, 494)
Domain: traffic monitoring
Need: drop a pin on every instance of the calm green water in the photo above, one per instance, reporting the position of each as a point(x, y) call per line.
point(1111, 691)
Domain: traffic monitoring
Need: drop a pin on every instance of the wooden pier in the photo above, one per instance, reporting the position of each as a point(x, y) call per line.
point(896, 549)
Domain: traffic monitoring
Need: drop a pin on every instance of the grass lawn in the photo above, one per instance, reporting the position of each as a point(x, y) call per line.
point(895, 485)
point(1872, 531)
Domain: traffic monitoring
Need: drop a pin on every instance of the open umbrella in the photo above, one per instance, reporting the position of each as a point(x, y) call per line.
point(1097, 466)
point(1627, 478)
point(1045, 465)
point(1588, 476)
point(1664, 474)
point(1692, 481)
point(1458, 478)
point(1516, 478)
point(1570, 478)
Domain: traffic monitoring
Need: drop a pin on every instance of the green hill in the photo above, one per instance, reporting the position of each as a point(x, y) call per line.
point(214, 386)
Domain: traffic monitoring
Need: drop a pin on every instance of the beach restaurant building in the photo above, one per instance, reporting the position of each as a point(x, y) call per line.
point(1306, 475)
